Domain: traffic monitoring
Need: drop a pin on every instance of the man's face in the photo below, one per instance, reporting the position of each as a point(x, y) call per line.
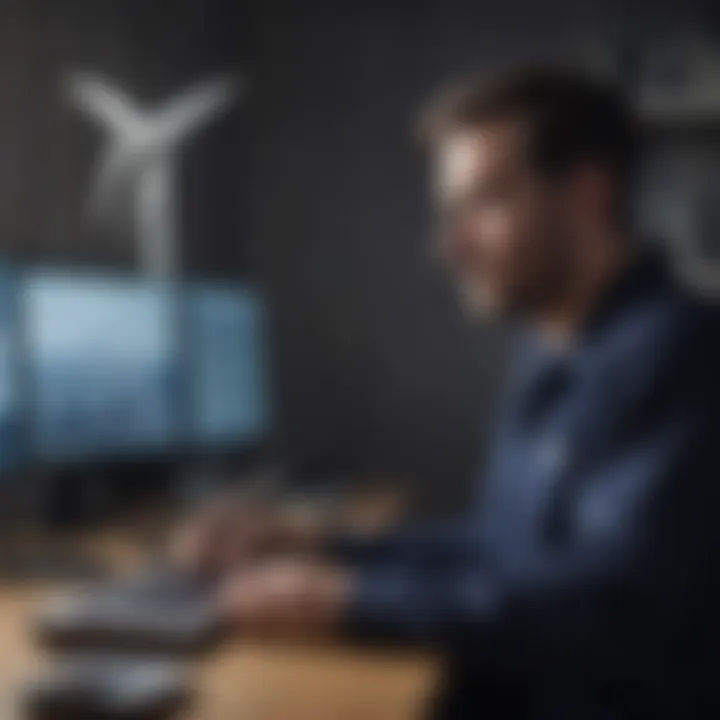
point(504, 228)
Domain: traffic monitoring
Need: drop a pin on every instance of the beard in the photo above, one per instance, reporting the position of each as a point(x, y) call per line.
point(478, 300)
point(520, 297)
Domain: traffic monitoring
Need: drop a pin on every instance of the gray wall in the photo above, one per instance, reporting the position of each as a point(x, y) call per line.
point(313, 187)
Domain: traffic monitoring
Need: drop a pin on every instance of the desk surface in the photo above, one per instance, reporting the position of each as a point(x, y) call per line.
point(244, 680)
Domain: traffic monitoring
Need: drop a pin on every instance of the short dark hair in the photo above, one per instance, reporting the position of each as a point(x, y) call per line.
point(571, 117)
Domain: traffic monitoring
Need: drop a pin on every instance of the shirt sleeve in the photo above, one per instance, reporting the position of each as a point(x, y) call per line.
point(633, 576)
point(433, 543)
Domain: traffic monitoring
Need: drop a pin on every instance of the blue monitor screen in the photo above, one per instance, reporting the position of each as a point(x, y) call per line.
point(230, 399)
point(11, 435)
point(102, 357)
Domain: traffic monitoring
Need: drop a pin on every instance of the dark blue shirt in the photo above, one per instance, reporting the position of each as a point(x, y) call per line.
point(593, 550)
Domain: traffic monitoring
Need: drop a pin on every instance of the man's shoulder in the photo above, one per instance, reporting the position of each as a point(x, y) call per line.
point(668, 343)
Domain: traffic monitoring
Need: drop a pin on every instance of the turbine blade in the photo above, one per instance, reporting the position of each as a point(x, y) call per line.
point(197, 107)
point(104, 103)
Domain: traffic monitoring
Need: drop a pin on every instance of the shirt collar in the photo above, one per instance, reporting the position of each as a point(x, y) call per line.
point(646, 272)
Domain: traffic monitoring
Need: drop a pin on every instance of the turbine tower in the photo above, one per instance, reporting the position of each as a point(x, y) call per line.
point(140, 158)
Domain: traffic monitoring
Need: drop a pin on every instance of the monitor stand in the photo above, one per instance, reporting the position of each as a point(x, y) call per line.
point(34, 545)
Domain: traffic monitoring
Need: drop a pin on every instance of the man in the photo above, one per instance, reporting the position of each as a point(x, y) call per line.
point(583, 585)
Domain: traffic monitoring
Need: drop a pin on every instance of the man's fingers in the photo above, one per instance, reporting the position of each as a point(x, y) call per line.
point(285, 596)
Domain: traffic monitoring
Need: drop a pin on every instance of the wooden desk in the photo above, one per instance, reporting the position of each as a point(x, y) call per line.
point(248, 681)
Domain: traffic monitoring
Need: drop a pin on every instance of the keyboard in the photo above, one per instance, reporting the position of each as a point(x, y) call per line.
point(159, 611)
point(95, 686)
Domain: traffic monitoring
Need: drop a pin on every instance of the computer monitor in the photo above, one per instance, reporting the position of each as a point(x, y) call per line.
point(12, 445)
point(230, 399)
point(103, 365)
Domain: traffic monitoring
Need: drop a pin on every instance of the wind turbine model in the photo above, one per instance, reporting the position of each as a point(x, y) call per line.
point(140, 158)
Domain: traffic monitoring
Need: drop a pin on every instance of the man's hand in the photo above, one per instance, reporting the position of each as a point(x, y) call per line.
point(229, 532)
point(288, 597)
point(234, 531)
